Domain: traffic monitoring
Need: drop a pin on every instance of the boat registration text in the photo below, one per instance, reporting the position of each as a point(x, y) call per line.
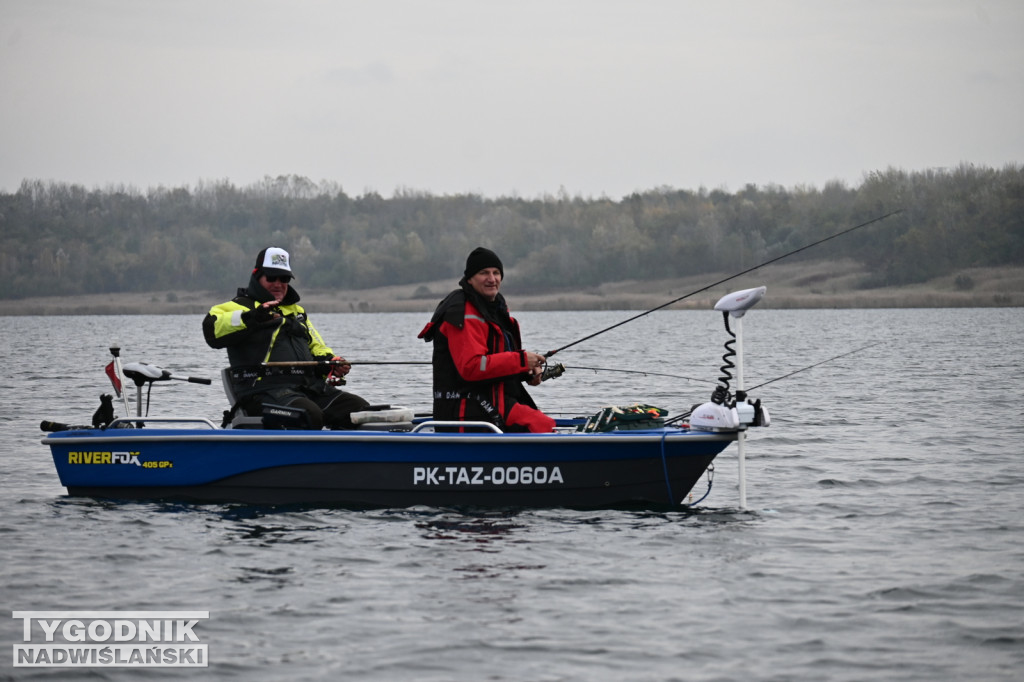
point(528, 475)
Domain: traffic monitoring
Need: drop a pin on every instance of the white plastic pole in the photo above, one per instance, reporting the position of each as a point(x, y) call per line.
point(737, 304)
point(742, 435)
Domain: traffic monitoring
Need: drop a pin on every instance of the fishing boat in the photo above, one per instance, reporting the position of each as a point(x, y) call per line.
point(622, 456)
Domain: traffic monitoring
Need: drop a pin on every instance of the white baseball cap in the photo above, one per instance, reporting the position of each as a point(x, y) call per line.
point(273, 261)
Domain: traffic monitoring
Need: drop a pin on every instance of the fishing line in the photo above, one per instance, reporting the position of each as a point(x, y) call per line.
point(723, 281)
point(722, 393)
point(772, 381)
point(390, 362)
point(637, 371)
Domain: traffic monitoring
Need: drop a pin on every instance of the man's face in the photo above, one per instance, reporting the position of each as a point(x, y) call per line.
point(486, 282)
point(275, 285)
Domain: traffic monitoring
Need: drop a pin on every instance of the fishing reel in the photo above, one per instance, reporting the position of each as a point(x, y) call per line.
point(552, 371)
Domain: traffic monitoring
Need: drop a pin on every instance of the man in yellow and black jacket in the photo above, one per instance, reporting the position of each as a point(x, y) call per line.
point(265, 323)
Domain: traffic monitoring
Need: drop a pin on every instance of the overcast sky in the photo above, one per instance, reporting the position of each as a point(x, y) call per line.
point(526, 97)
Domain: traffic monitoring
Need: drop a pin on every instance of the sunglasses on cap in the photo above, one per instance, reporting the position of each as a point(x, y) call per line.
point(279, 278)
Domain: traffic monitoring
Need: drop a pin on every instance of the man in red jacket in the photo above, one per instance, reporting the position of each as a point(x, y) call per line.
point(479, 363)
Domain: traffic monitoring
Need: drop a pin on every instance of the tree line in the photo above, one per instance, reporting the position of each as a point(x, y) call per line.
point(63, 239)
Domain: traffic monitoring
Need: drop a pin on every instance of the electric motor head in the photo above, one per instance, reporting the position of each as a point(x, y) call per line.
point(714, 417)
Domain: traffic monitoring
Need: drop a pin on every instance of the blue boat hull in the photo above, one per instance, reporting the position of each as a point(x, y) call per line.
point(367, 469)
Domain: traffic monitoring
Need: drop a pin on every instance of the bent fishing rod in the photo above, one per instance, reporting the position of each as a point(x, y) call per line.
point(723, 281)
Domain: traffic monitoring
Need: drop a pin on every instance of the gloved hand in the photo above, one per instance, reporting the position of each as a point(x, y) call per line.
point(336, 376)
point(259, 315)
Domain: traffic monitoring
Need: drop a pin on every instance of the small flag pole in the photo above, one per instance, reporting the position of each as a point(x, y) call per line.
point(117, 378)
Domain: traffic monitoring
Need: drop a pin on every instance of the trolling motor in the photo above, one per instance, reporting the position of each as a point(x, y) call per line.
point(141, 374)
point(726, 412)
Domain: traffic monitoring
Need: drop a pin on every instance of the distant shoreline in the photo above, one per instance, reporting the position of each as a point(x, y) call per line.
point(822, 284)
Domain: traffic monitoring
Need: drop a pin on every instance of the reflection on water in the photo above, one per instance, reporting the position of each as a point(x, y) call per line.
point(276, 578)
point(480, 530)
point(269, 535)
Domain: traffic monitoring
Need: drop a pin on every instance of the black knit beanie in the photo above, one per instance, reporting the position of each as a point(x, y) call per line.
point(482, 258)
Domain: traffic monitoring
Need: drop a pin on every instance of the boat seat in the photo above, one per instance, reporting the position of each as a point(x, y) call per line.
point(375, 418)
point(241, 419)
point(386, 426)
point(383, 418)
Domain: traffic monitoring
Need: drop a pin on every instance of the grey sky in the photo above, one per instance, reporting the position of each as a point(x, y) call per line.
point(598, 97)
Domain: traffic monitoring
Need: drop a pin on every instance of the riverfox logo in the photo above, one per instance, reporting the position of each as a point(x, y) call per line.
point(125, 458)
point(104, 458)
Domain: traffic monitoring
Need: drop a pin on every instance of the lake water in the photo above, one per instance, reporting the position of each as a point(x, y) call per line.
point(884, 538)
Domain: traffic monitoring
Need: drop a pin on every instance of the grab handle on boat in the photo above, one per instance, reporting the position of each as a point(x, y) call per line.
point(457, 424)
point(138, 421)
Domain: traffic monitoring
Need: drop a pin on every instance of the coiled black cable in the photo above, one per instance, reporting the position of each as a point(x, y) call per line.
point(721, 394)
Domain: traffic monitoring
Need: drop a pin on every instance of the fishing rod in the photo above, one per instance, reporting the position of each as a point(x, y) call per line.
point(784, 376)
point(723, 281)
point(391, 362)
point(325, 363)
point(552, 372)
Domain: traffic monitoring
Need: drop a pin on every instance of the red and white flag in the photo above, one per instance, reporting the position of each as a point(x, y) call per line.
point(112, 373)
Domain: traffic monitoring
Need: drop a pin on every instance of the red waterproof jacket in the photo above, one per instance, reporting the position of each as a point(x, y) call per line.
point(479, 363)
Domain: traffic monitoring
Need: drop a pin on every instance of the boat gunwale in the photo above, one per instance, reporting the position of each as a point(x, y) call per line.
point(273, 436)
